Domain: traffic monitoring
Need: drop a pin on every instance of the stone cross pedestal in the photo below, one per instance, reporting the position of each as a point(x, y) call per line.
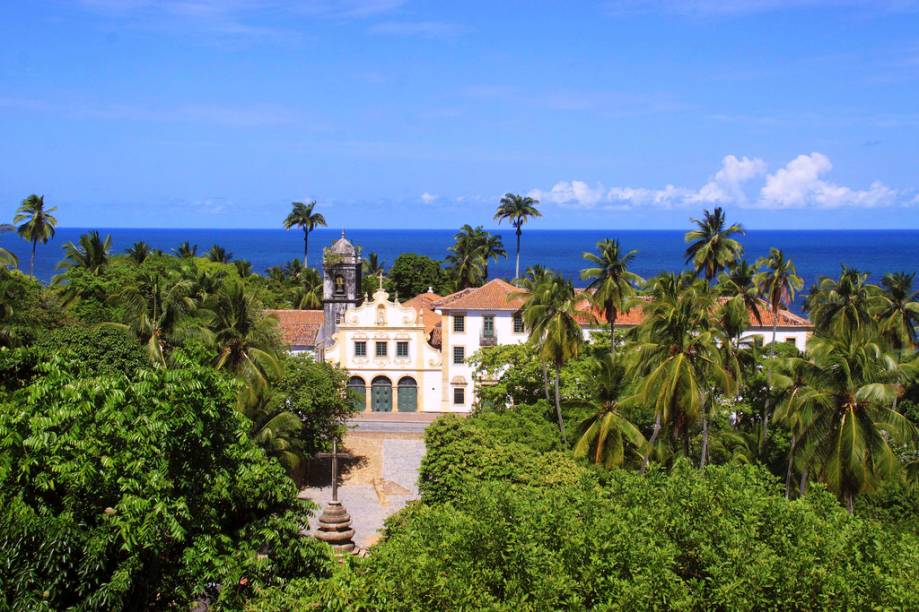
point(335, 522)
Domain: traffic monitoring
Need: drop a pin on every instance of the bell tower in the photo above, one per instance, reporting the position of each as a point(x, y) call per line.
point(341, 283)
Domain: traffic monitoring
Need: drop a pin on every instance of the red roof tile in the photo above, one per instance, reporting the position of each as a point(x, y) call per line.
point(299, 328)
point(425, 301)
point(494, 295)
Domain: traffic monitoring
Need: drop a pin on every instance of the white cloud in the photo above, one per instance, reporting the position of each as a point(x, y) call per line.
point(799, 184)
point(575, 194)
point(428, 198)
point(796, 185)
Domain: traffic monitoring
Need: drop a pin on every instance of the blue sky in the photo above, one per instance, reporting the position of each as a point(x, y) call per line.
point(391, 113)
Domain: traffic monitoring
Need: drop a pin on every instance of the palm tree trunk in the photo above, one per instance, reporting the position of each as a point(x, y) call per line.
point(803, 488)
point(306, 238)
point(704, 458)
point(558, 404)
point(850, 502)
point(654, 434)
point(517, 265)
point(545, 380)
point(791, 457)
point(32, 261)
point(611, 317)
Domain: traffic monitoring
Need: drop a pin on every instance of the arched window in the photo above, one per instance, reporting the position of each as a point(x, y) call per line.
point(357, 389)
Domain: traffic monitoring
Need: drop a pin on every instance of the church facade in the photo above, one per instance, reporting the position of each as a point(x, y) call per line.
point(414, 356)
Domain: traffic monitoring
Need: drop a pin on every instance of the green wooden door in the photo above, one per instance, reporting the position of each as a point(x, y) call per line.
point(382, 395)
point(408, 395)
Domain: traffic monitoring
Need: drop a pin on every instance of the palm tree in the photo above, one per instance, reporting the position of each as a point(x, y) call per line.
point(677, 358)
point(606, 434)
point(843, 305)
point(186, 250)
point(8, 259)
point(302, 216)
point(738, 286)
point(373, 266)
point(37, 224)
point(307, 295)
point(850, 383)
point(91, 253)
point(157, 306)
point(549, 314)
point(245, 340)
point(275, 429)
point(517, 209)
point(898, 310)
point(792, 409)
point(138, 252)
point(711, 247)
point(218, 254)
point(612, 283)
point(473, 247)
point(243, 268)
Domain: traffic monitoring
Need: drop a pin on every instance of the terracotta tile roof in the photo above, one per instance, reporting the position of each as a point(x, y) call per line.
point(425, 301)
point(635, 315)
point(493, 295)
point(299, 328)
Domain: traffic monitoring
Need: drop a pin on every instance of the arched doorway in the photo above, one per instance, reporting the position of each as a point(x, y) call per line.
point(382, 394)
point(408, 394)
point(357, 391)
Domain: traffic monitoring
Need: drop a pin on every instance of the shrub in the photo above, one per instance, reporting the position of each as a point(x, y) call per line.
point(137, 494)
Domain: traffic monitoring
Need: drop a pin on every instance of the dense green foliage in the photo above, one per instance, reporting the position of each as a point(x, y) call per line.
point(129, 493)
point(412, 274)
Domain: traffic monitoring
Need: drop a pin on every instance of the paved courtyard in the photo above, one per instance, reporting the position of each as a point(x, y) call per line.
point(382, 477)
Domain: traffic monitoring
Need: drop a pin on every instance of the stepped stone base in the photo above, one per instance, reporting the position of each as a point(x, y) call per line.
point(335, 528)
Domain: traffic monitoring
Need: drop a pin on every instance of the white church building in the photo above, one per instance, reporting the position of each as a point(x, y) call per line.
point(414, 356)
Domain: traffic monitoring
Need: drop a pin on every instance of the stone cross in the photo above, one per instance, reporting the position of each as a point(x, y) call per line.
point(335, 456)
point(380, 277)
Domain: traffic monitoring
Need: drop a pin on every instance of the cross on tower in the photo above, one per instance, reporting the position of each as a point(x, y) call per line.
point(335, 456)
point(380, 277)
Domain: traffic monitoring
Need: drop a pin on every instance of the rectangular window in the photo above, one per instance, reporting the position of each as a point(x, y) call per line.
point(488, 326)
point(401, 349)
point(518, 323)
point(790, 340)
point(459, 323)
point(459, 354)
point(459, 396)
point(360, 348)
point(381, 349)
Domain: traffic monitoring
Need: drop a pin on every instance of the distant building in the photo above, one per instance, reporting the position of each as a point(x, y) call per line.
point(414, 356)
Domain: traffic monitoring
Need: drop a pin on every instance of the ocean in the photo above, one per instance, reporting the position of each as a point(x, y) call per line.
point(815, 253)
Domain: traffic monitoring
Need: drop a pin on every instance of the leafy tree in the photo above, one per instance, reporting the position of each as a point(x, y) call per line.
point(8, 259)
point(93, 351)
point(38, 224)
point(91, 253)
point(27, 309)
point(218, 254)
point(186, 250)
point(711, 246)
point(412, 274)
point(612, 284)
point(898, 309)
point(139, 494)
point(517, 210)
point(138, 252)
point(302, 216)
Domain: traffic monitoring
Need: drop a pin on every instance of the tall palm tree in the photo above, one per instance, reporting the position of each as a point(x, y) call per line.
point(373, 266)
point(898, 310)
point(677, 358)
point(841, 305)
point(219, 254)
point(711, 246)
point(612, 284)
point(549, 314)
point(138, 252)
point(302, 216)
point(536, 276)
point(243, 268)
point(157, 306)
point(517, 209)
point(607, 434)
point(245, 340)
point(795, 410)
point(8, 259)
point(38, 224)
point(186, 250)
point(91, 253)
point(851, 383)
